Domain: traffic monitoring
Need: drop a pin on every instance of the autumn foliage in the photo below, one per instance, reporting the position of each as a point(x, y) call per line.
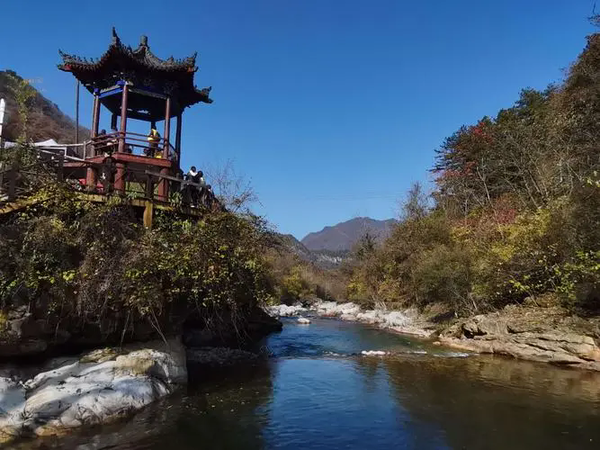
point(515, 214)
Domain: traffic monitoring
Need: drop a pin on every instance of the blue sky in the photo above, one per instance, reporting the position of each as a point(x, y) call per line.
point(332, 108)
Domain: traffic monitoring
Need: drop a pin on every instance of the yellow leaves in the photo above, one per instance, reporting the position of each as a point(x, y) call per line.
point(69, 275)
point(460, 233)
point(593, 180)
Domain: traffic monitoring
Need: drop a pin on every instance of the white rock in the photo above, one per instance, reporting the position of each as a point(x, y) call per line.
point(285, 310)
point(303, 321)
point(12, 401)
point(373, 316)
point(337, 309)
point(373, 353)
point(88, 392)
point(349, 317)
point(395, 319)
point(405, 322)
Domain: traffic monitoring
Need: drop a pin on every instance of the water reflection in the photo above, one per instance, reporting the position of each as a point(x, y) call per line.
point(495, 403)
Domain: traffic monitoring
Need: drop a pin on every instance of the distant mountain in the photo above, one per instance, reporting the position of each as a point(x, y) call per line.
point(341, 237)
point(46, 120)
point(321, 258)
point(295, 246)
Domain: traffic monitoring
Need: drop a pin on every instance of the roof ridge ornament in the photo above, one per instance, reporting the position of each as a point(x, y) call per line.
point(144, 41)
point(115, 38)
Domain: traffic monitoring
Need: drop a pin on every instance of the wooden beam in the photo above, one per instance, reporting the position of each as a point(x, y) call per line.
point(108, 92)
point(180, 180)
point(145, 160)
point(148, 93)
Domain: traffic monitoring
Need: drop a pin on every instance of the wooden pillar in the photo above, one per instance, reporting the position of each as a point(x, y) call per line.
point(178, 141)
point(95, 115)
point(148, 212)
point(91, 179)
point(123, 129)
point(77, 112)
point(90, 176)
point(120, 175)
point(163, 184)
point(167, 128)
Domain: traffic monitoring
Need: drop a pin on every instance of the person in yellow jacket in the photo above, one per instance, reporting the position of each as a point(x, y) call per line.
point(153, 140)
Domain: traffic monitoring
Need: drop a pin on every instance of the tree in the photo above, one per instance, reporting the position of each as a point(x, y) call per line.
point(23, 93)
point(234, 191)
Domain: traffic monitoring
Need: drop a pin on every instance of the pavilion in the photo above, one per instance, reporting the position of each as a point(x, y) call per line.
point(134, 84)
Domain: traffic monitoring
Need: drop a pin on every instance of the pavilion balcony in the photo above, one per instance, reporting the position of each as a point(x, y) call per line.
point(133, 144)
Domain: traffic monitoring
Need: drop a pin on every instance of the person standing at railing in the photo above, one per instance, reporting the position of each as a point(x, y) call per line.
point(100, 147)
point(113, 141)
point(153, 140)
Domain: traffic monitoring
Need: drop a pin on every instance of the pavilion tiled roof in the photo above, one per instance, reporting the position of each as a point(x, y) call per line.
point(140, 63)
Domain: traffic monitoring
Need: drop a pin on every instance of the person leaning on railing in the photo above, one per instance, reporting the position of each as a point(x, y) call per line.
point(196, 177)
point(153, 140)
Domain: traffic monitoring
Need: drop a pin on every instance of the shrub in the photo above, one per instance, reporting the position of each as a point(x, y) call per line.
point(90, 264)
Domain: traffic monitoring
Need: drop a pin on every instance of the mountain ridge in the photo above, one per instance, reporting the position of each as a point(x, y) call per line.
point(342, 236)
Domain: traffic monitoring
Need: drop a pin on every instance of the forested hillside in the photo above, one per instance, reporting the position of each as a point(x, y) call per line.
point(44, 119)
point(515, 214)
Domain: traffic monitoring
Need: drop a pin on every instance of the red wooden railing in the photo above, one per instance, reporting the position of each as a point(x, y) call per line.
point(133, 143)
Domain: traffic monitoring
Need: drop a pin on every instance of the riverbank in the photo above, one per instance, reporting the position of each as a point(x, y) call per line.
point(533, 333)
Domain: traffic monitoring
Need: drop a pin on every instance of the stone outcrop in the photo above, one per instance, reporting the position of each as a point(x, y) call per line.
point(537, 334)
point(405, 322)
point(99, 387)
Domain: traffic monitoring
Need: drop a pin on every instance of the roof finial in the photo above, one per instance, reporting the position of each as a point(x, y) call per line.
point(115, 38)
point(144, 41)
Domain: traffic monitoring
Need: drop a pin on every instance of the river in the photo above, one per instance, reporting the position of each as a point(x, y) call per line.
point(318, 392)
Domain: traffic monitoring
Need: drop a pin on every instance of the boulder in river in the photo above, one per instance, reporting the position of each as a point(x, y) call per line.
point(97, 388)
point(303, 321)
